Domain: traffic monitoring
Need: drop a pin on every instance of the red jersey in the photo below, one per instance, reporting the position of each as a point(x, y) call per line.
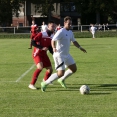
point(33, 31)
point(34, 28)
point(58, 28)
point(44, 40)
point(39, 55)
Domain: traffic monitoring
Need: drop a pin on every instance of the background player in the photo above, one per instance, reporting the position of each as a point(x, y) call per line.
point(41, 43)
point(58, 27)
point(44, 27)
point(93, 30)
point(34, 31)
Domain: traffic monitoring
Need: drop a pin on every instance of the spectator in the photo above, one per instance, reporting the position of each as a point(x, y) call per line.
point(100, 27)
point(106, 26)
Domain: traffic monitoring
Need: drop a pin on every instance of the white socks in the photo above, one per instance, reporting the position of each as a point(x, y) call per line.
point(67, 74)
point(93, 36)
point(54, 76)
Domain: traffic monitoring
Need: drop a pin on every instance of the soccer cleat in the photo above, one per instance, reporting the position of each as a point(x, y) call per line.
point(62, 83)
point(32, 86)
point(43, 86)
point(49, 83)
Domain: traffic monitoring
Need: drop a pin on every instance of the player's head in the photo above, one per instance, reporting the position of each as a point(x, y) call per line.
point(43, 23)
point(33, 22)
point(51, 25)
point(67, 22)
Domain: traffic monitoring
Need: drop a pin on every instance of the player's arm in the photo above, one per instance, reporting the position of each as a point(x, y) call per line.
point(53, 43)
point(78, 46)
point(57, 36)
point(50, 49)
point(35, 40)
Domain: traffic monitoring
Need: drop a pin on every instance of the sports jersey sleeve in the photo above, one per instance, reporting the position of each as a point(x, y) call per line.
point(58, 35)
point(72, 37)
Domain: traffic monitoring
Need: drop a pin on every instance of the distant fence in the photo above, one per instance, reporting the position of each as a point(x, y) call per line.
point(80, 28)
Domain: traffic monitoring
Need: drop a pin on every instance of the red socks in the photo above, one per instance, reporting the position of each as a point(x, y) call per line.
point(47, 75)
point(35, 76)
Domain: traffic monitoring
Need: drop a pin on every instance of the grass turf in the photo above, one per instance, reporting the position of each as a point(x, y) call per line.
point(97, 68)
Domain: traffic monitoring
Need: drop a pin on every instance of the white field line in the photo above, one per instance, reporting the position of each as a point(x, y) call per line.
point(25, 73)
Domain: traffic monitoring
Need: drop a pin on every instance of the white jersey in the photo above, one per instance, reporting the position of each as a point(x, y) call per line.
point(93, 29)
point(63, 38)
point(44, 28)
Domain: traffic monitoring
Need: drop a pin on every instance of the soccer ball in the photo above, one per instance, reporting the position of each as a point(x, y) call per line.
point(84, 89)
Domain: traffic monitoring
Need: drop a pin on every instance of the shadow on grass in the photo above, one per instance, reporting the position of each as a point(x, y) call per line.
point(100, 93)
point(95, 89)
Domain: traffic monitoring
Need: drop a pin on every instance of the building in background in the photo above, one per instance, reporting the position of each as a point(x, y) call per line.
point(28, 13)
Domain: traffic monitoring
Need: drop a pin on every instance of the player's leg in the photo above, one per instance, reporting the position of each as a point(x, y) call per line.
point(31, 37)
point(48, 66)
point(36, 73)
point(48, 73)
point(71, 69)
point(93, 33)
point(60, 67)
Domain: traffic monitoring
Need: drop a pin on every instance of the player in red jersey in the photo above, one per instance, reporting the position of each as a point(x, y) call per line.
point(34, 31)
point(42, 43)
point(58, 27)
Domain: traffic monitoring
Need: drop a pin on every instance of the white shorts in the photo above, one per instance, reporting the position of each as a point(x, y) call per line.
point(93, 33)
point(62, 61)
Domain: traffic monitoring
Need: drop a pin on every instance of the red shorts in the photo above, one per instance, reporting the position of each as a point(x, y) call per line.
point(42, 58)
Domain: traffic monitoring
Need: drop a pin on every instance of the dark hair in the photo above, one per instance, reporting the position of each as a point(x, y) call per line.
point(67, 18)
point(51, 21)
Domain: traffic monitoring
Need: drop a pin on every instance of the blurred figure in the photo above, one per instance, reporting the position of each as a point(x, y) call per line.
point(106, 26)
point(58, 27)
point(93, 30)
point(43, 27)
point(100, 27)
point(34, 31)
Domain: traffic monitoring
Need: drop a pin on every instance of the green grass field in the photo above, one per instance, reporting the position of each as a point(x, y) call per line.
point(97, 68)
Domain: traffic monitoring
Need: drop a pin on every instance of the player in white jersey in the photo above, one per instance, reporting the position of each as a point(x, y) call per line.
point(93, 29)
point(61, 55)
point(43, 27)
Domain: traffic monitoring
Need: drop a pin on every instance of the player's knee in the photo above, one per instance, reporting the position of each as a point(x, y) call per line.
point(74, 70)
point(60, 74)
point(50, 70)
point(40, 66)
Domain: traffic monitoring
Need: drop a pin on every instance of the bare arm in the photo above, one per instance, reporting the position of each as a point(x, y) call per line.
point(78, 46)
point(53, 44)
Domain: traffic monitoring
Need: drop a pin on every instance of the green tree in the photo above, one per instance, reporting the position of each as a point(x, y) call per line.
point(100, 7)
point(7, 8)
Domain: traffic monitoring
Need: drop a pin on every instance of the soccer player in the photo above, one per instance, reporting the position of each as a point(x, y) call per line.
point(93, 29)
point(43, 27)
point(34, 31)
point(58, 27)
point(61, 45)
point(42, 43)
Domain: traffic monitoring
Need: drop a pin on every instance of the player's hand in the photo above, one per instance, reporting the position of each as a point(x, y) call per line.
point(82, 49)
point(45, 48)
point(54, 50)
